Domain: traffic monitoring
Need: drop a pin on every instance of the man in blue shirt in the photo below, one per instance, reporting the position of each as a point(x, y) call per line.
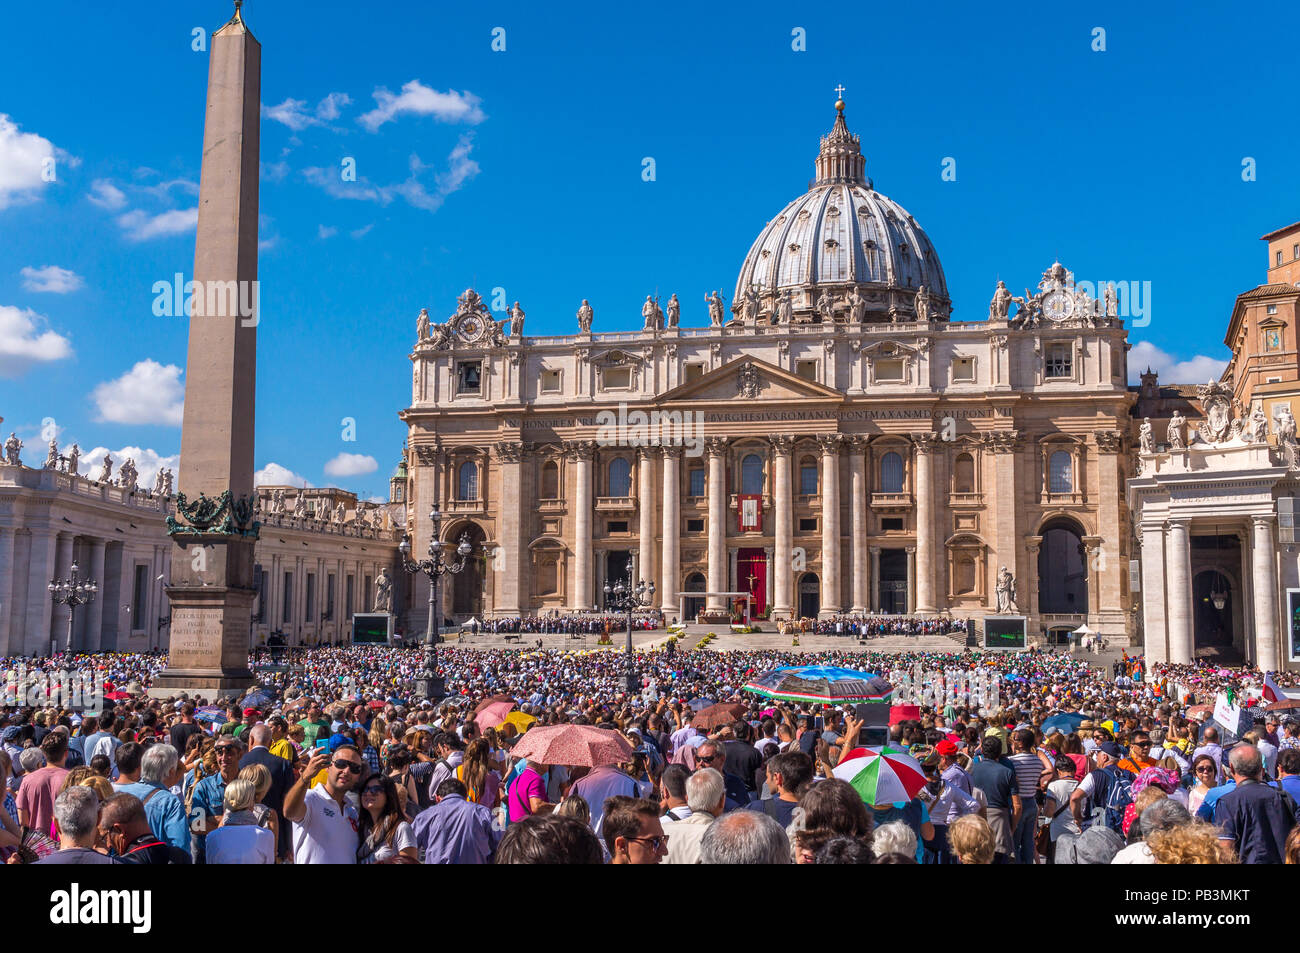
point(207, 805)
point(1254, 819)
point(1288, 772)
point(454, 830)
point(162, 809)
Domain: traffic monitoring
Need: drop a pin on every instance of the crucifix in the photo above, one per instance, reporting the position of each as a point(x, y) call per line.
point(751, 577)
point(839, 91)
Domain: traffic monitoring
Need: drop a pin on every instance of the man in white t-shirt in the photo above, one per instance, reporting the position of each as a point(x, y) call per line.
point(324, 821)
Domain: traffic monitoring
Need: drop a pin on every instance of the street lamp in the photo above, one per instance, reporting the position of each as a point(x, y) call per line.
point(72, 592)
point(430, 684)
point(623, 597)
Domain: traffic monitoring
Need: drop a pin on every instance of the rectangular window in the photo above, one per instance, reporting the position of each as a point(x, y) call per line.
point(808, 479)
point(1060, 360)
point(139, 598)
point(889, 370)
point(329, 597)
point(696, 480)
point(695, 526)
point(807, 524)
point(617, 526)
point(1279, 256)
point(468, 377)
point(617, 378)
point(1272, 309)
point(1295, 251)
point(889, 523)
point(806, 369)
point(311, 597)
point(963, 369)
point(351, 584)
point(694, 372)
point(550, 382)
point(287, 614)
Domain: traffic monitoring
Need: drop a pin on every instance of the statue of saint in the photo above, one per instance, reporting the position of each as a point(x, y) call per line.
point(12, 446)
point(715, 308)
point(158, 482)
point(674, 310)
point(168, 476)
point(857, 306)
point(340, 513)
point(585, 314)
point(1174, 435)
point(422, 326)
point(516, 321)
point(74, 457)
point(1284, 428)
point(1147, 437)
point(383, 592)
point(825, 307)
point(1001, 303)
point(1109, 295)
point(785, 309)
point(1006, 591)
point(650, 311)
point(1258, 425)
point(922, 304)
point(300, 507)
point(126, 475)
point(106, 473)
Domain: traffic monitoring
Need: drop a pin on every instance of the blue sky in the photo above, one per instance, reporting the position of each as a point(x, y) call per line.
point(1126, 164)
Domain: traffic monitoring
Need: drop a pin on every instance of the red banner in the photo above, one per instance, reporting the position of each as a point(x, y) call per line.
point(750, 512)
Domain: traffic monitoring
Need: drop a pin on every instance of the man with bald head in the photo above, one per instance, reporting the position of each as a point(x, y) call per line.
point(124, 827)
point(282, 778)
point(1254, 819)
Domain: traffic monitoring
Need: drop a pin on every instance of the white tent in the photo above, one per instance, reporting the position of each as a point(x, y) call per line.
point(1084, 630)
point(471, 623)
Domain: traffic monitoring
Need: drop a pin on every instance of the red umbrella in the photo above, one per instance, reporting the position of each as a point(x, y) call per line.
point(116, 696)
point(717, 715)
point(494, 714)
point(377, 703)
point(574, 745)
point(492, 701)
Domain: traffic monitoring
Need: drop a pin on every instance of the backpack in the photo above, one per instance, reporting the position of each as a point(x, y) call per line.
point(1111, 795)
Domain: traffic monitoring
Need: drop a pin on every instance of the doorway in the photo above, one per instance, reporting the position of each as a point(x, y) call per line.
point(893, 581)
point(810, 596)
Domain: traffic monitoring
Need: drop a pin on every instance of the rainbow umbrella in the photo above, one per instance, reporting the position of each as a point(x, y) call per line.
point(820, 683)
point(884, 775)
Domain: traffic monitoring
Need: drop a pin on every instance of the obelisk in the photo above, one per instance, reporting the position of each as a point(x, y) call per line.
point(213, 532)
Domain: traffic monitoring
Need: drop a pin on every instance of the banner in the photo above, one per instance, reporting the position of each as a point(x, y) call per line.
point(1226, 715)
point(751, 512)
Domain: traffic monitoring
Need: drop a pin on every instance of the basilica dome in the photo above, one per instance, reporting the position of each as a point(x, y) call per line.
point(840, 235)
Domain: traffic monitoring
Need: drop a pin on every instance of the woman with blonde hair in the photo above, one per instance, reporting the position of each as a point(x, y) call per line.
point(101, 786)
point(971, 838)
point(576, 806)
point(260, 775)
point(240, 839)
point(1195, 843)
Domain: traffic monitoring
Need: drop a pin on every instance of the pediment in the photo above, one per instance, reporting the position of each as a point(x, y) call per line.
point(749, 379)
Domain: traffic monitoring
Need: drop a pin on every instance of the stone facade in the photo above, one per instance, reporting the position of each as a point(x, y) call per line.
point(848, 448)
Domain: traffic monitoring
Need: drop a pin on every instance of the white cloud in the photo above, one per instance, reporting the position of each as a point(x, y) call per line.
point(106, 195)
point(24, 341)
point(162, 190)
point(147, 463)
point(274, 171)
point(275, 475)
point(333, 184)
point(419, 100)
point(460, 169)
point(326, 231)
point(351, 464)
point(1195, 370)
point(53, 279)
point(141, 226)
point(295, 114)
point(330, 107)
point(149, 393)
point(362, 232)
point(24, 158)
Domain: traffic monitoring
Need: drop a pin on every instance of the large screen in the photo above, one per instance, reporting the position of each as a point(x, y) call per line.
point(370, 629)
point(1293, 622)
point(1004, 633)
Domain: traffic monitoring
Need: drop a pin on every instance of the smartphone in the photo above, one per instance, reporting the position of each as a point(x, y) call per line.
point(819, 723)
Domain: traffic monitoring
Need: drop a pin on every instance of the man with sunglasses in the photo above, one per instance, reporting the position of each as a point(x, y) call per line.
point(324, 821)
point(1139, 751)
point(207, 805)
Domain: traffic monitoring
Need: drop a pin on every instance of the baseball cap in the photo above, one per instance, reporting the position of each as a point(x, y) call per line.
point(946, 748)
point(1110, 748)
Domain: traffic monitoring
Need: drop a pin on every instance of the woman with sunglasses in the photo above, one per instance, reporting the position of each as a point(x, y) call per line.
point(1205, 771)
point(383, 831)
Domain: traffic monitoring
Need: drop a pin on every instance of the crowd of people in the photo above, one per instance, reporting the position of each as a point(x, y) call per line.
point(332, 760)
point(871, 626)
point(556, 624)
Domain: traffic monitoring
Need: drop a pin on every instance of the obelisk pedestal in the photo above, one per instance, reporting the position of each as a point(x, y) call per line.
point(211, 589)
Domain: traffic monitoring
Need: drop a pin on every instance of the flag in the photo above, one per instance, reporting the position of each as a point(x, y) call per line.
point(1271, 691)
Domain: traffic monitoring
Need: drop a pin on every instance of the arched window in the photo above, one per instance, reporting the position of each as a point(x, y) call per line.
point(1060, 472)
point(751, 474)
point(891, 473)
point(620, 477)
point(550, 480)
point(807, 477)
point(467, 482)
point(963, 474)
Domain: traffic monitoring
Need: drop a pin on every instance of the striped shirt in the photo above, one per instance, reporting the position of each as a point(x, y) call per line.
point(1028, 770)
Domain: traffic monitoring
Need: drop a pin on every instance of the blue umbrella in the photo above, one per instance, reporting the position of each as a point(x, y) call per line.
point(820, 683)
point(211, 714)
point(1066, 722)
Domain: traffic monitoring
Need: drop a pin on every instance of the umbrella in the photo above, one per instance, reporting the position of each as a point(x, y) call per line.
point(376, 703)
point(1283, 704)
point(1200, 710)
point(717, 715)
point(116, 696)
point(492, 715)
point(1066, 723)
point(1084, 630)
point(210, 713)
point(521, 720)
point(573, 745)
point(699, 704)
point(820, 683)
point(492, 700)
point(882, 775)
point(260, 699)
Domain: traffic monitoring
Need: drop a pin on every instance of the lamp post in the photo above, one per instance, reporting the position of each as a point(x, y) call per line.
point(624, 597)
point(72, 592)
point(430, 684)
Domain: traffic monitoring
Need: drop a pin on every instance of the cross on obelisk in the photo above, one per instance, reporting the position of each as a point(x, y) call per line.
point(213, 532)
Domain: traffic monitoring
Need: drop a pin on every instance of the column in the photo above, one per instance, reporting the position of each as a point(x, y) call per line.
point(581, 452)
point(670, 549)
point(1030, 592)
point(925, 550)
point(783, 533)
point(62, 570)
point(7, 577)
point(510, 536)
point(874, 595)
point(1264, 578)
point(858, 522)
point(716, 448)
point(767, 576)
point(646, 512)
point(1178, 598)
point(734, 582)
point(911, 578)
point(1113, 565)
point(1092, 553)
point(830, 447)
point(1155, 641)
point(34, 636)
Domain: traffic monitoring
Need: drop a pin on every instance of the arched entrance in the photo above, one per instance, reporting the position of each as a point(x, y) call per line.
point(810, 596)
point(1062, 569)
point(466, 585)
point(695, 582)
point(1212, 626)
